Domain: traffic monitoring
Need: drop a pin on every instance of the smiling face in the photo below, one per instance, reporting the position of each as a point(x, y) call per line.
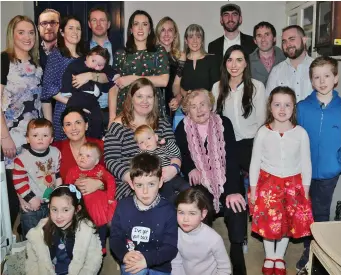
point(140, 28)
point(236, 64)
point(282, 107)
point(95, 62)
point(62, 211)
point(230, 20)
point(323, 79)
point(190, 216)
point(72, 32)
point(143, 101)
point(39, 138)
point(264, 39)
point(167, 34)
point(24, 36)
point(146, 189)
point(74, 126)
point(194, 42)
point(293, 44)
point(99, 23)
point(48, 32)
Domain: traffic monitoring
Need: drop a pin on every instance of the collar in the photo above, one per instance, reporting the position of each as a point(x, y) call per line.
point(196, 231)
point(45, 49)
point(39, 155)
point(154, 203)
point(306, 60)
point(232, 40)
point(93, 43)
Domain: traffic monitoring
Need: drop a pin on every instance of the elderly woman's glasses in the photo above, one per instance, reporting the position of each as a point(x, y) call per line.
point(44, 24)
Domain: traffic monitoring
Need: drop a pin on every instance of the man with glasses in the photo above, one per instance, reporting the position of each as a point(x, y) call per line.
point(99, 23)
point(48, 25)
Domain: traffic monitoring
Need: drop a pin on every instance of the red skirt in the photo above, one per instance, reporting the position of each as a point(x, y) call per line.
point(281, 208)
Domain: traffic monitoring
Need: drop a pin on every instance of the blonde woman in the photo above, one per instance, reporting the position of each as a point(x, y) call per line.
point(20, 92)
point(167, 35)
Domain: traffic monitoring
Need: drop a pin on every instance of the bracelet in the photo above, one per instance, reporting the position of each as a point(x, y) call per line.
point(177, 167)
point(5, 137)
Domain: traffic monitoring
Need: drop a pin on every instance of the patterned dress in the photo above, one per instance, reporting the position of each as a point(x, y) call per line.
point(20, 100)
point(52, 83)
point(141, 63)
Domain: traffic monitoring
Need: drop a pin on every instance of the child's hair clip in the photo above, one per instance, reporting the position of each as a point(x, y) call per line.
point(74, 189)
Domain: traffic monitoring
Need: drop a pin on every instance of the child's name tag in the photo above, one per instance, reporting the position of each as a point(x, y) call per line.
point(140, 234)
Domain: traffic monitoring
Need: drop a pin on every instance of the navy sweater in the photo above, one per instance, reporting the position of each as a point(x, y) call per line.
point(159, 247)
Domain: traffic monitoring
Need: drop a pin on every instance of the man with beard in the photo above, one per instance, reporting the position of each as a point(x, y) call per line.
point(48, 25)
point(99, 23)
point(294, 71)
point(263, 59)
point(231, 19)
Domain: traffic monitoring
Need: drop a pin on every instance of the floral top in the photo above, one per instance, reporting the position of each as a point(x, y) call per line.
point(20, 100)
point(141, 63)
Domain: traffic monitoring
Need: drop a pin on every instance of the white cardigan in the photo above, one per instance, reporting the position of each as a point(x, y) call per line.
point(87, 252)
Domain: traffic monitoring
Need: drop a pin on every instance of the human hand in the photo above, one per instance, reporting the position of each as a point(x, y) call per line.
point(35, 203)
point(124, 81)
point(8, 147)
point(25, 206)
point(194, 177)
point(174, 104)
point(116, 76)
point(88, 185)
point(132, 257)
point(236, 201)
point(168, 172)
point(162, 141)
point(81, 79)
point(110, 201)
point(252, 197)
point(137, 267)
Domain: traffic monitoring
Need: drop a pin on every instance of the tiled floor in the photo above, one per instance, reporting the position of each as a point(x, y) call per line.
point(254, 257)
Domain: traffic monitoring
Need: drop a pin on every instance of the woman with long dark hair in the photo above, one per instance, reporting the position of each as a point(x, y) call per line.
point(141, 58)
point(241, 99)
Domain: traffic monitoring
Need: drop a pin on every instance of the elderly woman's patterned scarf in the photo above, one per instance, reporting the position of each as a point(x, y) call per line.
point(213, 164)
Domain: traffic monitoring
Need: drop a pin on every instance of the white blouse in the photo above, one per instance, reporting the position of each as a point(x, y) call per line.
point(233, 109)
point(281, 156)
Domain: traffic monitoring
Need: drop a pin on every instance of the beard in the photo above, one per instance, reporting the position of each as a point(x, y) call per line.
point(48, 38)
point(296, 53)
point(231, 29)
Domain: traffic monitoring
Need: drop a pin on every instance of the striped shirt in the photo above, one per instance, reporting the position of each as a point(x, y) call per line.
point(120, 147)
point(165, 152)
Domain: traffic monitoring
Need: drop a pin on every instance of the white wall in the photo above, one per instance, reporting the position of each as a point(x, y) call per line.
point(9, 9)
point(207, 14)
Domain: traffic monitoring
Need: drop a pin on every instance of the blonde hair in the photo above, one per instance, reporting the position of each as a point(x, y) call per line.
point(175, 47)
point(34, 52)
point(192, 94)
point(195, 29)
point(93, 146)
point(143, 129)
point(127, 114)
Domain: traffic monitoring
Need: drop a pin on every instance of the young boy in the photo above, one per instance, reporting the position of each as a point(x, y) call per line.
point(320, 115)
point(169, 154)
point(36, 173)
point(144, 230)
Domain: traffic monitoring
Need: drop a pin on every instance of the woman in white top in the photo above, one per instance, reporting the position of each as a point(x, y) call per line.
point(280, 175)
point(241, 99)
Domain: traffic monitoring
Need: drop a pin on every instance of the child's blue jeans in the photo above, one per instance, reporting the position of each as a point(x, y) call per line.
point(31, 219)
point(145, 271)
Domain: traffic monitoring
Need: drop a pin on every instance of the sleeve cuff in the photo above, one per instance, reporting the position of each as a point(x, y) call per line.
point(29, 196)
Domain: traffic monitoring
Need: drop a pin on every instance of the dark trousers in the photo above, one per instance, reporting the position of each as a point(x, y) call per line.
point(14, 205)
point(105, 117)
point(31, 219)
point(172, 188)
point(236, 227)
point(244, 149)
point(321, 194)
point(102, 232)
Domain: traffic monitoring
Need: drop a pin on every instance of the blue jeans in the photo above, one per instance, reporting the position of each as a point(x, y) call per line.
point(31, 219)
point(321, 194)
point(145, 271)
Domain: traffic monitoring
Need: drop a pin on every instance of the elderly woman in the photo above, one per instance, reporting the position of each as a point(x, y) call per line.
point(140, 108)
point(207, 144)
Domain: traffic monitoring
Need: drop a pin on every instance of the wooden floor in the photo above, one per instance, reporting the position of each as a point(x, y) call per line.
point(254, 258)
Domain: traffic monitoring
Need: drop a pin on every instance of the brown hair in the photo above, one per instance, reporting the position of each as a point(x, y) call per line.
point(143, 129)
point(195, 29)
point(93, 146)
point(175, 47)
point(127, 114)
point(192, 94)
point(34, 52)
point(39, 123)
point(299, 29)
point(47, 11)
point(102, 9)
point(145, 164)
point(285, 91)
point(322, 61)
point(98, 50)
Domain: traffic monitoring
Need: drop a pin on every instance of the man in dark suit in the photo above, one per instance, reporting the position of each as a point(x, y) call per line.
point(231, 19)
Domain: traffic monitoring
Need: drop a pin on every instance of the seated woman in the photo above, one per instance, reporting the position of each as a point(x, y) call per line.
point(75, 124)
point(140, 107)
point(207, 144)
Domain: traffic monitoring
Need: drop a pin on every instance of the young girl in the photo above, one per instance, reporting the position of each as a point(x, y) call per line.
point(86, 95)
point(201, 249)
point(280, 175)
point(101, 203)
point(65, 242)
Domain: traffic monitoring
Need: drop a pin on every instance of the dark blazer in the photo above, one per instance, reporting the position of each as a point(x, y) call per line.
point(217, 46)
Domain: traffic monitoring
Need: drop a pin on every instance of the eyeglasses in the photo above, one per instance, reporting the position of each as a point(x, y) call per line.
point(44, 24)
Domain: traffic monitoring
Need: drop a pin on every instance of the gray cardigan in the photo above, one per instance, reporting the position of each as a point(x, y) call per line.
point(258, 70)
